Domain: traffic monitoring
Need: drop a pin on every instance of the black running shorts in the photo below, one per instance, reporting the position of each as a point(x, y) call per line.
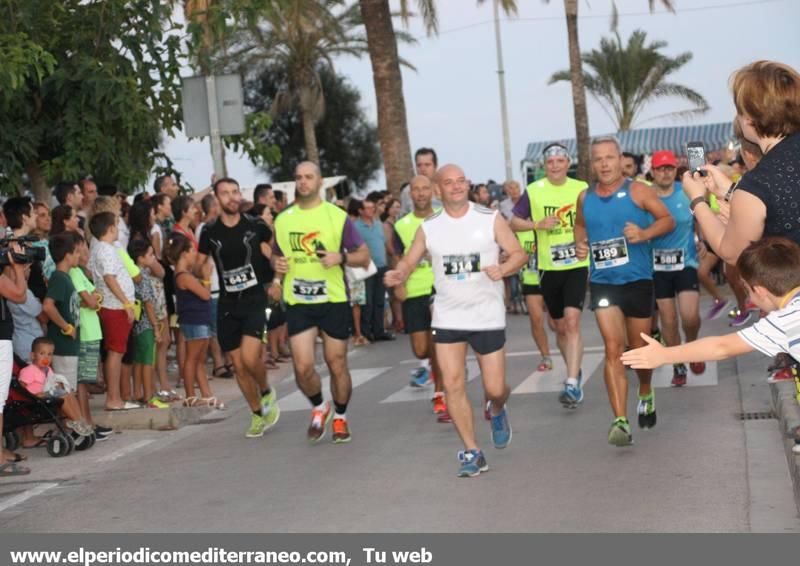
point(635, 299)
point(482, 341)
point(417, 314)
point(531, 290)
point(562, 289)
point(334, 319)
point(668, 284)
point(240, 318)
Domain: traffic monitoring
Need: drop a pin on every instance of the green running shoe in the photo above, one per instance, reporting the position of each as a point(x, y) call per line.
point(270, 410)
point(647, 410)
point(620, 433)
point(258, 425)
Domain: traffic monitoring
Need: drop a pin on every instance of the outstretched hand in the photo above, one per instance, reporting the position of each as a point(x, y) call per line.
point(647, 357)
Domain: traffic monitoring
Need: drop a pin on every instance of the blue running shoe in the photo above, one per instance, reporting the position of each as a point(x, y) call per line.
point(572, 395)
point(472, 463)
point(420, 377)
point(501, 429)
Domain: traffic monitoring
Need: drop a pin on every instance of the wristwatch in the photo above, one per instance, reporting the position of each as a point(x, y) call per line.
point(695, 202)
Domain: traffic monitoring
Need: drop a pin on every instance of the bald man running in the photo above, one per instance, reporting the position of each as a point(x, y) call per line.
point(464, 242)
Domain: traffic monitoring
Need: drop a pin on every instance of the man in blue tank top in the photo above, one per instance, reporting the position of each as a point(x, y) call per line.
point(675, 265)
point(617, 219)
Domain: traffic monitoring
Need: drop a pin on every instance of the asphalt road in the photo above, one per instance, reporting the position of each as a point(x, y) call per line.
point(700, 469)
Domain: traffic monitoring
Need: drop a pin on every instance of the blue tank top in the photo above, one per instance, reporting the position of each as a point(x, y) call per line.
point(615, 261)
point(191, 309)
point(676, 250)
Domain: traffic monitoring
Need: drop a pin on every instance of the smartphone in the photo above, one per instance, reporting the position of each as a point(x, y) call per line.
point(696, 154)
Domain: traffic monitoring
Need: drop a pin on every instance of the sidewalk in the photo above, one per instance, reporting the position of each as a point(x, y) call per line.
point(177, 416)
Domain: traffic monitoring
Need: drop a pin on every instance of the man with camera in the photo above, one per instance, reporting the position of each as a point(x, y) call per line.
point(13, 288)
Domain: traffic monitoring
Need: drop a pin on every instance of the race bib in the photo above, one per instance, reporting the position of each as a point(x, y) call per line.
point(564, 254)
point(610, 253)
point(310, 291)
point(460, 266)
point(239, 279)
point(532, 262)
point(668, 260)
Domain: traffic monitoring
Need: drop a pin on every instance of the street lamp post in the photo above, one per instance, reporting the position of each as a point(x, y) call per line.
point(502, 80)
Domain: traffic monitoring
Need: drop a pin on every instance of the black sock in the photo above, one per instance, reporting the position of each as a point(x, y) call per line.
point(340, 409)
point(266, 391)
point(316, 400)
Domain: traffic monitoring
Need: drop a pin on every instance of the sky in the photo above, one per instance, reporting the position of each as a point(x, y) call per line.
point(452, 99)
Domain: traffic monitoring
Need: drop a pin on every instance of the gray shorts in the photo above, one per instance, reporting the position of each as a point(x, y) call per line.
point(68, 367)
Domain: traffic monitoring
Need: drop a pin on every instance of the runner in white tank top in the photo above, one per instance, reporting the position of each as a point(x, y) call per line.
point(464, 242)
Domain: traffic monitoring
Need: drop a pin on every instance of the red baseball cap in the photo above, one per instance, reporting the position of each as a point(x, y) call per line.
point(662, 158)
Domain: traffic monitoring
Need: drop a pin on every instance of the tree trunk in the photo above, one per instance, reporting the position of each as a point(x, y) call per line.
point(578, 91)
point(310, 137)
point(392, 126)
point(41, 193)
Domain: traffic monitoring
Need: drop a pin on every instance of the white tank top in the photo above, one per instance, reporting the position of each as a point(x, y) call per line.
point(465, 299)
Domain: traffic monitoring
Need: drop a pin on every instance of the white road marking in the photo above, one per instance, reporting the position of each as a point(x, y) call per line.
point(409, 393)
point(587, 350)
point(117, 454)
point(25, 495)
point(553, 380)
point(663, 376)
point(298, 402)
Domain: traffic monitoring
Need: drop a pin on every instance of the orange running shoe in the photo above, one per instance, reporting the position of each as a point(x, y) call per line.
point(439, 406)
point(341, 433)
point(319, 420)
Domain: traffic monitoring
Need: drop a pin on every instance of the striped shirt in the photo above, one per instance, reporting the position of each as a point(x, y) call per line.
point(778, 332)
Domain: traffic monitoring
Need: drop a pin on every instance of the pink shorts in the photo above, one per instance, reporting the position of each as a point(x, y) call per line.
point(116, 329)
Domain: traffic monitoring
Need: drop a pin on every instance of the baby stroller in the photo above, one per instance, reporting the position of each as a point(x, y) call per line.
point(24, 408)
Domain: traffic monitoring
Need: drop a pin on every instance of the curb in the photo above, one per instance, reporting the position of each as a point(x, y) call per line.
point(788, 411)
point(156, 419)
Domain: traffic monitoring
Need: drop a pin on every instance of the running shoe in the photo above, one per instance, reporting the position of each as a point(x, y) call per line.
point(257, 427)
point(420, 377)
point(82, 428)
point(319, 420)
point(620, 433)
point(546, 364)
point(678, 375)
point(439, 406)
point(717, 308)
point(102, 432)
point(473, 463)
point(783, 374)
point(698, 368)
point(341, 432)
point(572, 395)
point(501, 429)
point(444, 417)
point(742, 319)
point(270, 409)
point(156, 403)
point(647, 410)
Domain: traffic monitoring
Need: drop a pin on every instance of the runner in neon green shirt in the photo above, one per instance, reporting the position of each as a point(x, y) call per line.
point(529, 276)
point(549, 206)
point(314, 240)
point(417, 294)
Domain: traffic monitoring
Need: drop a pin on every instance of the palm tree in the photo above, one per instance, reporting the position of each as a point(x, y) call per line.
point(392, 125)
point(624, 79)
point(298, 36)
point(576, 78)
